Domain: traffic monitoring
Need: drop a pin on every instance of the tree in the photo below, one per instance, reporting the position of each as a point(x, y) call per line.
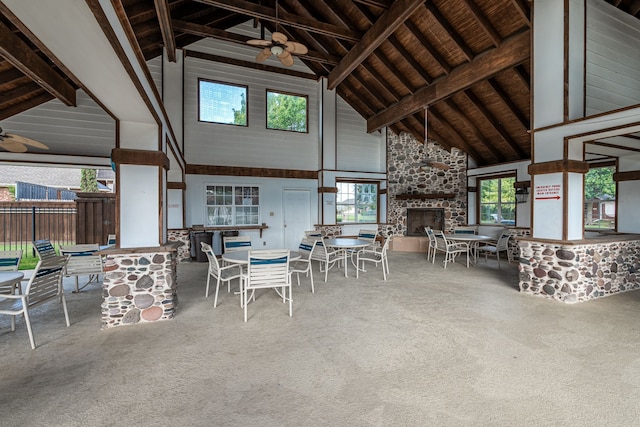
point(286, 112)
point(240, 116)
point(598, 182)
point(88, 181)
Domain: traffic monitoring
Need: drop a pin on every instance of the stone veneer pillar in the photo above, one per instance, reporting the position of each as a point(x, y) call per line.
point(139, 287)
point(571, 273)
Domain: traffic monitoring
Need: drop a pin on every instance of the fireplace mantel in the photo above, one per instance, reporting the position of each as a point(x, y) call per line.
point(425, 196)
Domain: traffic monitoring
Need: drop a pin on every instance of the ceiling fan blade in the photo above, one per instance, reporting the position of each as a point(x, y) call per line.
point(24, 140)
point(263, 55)
point(13, 146)
point(279, 38)
point(258, 42)
point(286, 58)
point(296, 48)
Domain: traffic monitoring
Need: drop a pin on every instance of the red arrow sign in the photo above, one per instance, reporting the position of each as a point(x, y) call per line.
point(548, 198)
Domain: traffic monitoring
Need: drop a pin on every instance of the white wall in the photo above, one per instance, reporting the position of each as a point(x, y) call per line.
point(612, 58)
point(356, 149)
point(85, 130)
point(271, 191)
point(254, 145)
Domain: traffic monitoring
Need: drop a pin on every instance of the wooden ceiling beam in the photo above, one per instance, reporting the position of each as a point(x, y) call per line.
point(381, 81)
point(386, 24)
point(506, 137)
point(442, 62)
point(484, 23)
point(523, 9)
point(214, 33)
point(8, 96)
point(26, 105)
point(479, 137)
point(513, 51)
point(395, 72)
point(284, 18)
point(375, 3)
point(506, 99)
point(21, 56)
point(634, 8)
point(446, 26)
point(454, 135)
point(522, 73)
point(410, 59)
point(248, 64)
point(164, 19)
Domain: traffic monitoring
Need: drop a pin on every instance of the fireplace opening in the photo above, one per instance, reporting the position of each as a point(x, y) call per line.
point(418, 219)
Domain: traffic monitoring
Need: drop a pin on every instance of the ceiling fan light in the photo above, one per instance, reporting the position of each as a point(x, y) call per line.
point(277, 50)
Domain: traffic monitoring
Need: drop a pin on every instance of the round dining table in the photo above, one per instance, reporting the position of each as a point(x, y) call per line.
point(346, 244)
point(473, 240)
point(11, 279)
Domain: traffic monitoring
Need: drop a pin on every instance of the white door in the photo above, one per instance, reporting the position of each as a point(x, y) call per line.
point(297, 216)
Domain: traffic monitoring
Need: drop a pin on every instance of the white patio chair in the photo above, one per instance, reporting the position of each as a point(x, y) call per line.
point(369, 235)
point(111, 240)
point(303, 265)
point(450, 249)
point(236, 243)
point(221, 274)
point(267, 269)
point(44, 248)
point(374, 255)
point(313, 233)
point(327, 257)
point(83, 261)
point(431, 247)
point(464, 229)
point(10, 261)
point(45, 284)
point(501, 246)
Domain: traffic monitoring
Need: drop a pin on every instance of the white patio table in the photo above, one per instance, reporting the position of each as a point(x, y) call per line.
point(472, 239)
point(346, 244)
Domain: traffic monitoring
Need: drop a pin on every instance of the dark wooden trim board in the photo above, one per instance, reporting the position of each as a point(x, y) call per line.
point(124, 156)
point(257, 172)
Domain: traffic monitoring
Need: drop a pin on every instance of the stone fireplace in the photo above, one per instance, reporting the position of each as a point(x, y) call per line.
point(418, 219)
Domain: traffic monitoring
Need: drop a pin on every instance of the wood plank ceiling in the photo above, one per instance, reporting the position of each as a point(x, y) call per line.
point(466, 61)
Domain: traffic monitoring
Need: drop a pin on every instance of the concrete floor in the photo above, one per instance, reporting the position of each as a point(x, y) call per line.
point(430, 346)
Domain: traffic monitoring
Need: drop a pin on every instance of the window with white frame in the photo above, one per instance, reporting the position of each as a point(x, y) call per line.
point(497, 201)
point(232, 205)
point(220, 102)
point(287, 111)
point(357, 202)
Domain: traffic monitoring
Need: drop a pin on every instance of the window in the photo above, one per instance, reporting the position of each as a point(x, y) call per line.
point(230, 205)
point(497, 200)
point(357, 202)
point(286, 111)
point(599, 198)
point(222, 103)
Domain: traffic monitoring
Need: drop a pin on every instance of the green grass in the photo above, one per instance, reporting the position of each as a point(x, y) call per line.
point(28, 261)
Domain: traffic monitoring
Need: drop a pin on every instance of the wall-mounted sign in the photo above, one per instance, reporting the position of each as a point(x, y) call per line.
point(547, 192)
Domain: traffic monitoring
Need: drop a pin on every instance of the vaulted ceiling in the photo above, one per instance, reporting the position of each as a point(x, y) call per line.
point(465, 63)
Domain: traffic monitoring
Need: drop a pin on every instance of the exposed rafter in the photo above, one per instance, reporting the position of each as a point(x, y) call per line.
point(20, 55)
point(510, 53)
point(164, 19)
point(399, 11)
point(268, 14)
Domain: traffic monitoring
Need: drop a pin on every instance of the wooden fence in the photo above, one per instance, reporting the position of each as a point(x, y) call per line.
point(88, 219)
point(33, 220)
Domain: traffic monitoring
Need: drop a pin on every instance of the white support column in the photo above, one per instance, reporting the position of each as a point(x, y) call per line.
point(141, 180)
point(173, 92)
point(329, 151)
point(558, 96)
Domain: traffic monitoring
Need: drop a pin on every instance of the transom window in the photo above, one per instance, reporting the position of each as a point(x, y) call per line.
point(220, 102)
point(497, 200)
point(229, 205)
point(357, 202)
point(286, 111)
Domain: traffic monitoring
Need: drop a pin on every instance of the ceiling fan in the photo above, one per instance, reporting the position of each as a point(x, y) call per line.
point(18, 143)
point(430, 163)
point(279, 45)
